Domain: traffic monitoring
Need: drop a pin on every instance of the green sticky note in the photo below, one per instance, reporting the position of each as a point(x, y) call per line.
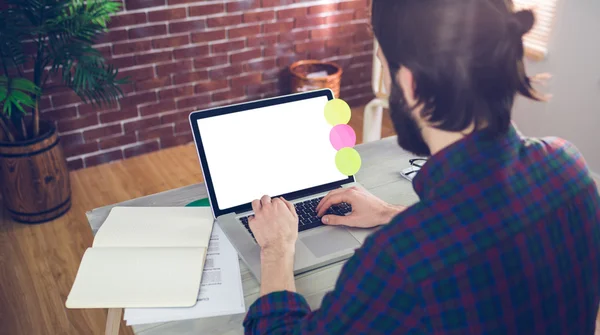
point(199, 203)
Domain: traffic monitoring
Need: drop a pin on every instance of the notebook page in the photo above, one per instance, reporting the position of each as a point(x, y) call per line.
point(156, 227)
point(137, 277)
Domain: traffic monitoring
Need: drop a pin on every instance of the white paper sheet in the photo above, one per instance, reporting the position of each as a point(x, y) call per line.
point(220, 292)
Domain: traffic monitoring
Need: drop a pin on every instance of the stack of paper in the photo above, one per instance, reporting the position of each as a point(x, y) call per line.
point(144, 257)
point(220, 293)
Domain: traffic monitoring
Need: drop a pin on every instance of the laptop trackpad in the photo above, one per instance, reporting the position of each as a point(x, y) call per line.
point(329, 241)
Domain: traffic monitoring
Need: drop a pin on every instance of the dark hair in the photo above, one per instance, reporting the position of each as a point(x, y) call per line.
point(466, 57)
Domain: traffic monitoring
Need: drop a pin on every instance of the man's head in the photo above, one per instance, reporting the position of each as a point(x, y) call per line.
point(454, 65)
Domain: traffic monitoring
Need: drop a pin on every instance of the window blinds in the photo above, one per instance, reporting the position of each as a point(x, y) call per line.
point(536, 41)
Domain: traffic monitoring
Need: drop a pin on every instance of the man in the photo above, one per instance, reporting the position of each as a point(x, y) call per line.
point(506, 236)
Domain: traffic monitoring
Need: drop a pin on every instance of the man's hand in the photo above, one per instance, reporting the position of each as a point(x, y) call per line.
point(275, 227)
point(367, 210)
point(274, 224)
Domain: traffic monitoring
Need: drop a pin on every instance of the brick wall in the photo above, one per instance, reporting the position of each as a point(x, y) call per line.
point(184, 55)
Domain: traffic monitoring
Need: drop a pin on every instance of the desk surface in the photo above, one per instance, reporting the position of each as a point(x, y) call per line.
point(380, 173)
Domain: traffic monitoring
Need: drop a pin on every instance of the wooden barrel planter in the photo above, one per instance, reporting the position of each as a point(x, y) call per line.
point(328, 75)
point(34, 177)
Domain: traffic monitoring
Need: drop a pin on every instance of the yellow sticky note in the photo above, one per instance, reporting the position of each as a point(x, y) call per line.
point(348, 161)
point(337, 112)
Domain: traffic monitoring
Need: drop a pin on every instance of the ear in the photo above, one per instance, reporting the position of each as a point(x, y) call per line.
point(405, 79)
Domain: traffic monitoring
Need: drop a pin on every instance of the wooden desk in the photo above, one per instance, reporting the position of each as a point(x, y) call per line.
point(382, 162)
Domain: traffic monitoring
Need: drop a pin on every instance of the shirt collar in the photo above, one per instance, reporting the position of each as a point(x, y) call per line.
point(476, 151)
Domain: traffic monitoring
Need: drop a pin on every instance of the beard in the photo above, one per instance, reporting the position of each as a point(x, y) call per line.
point(407, 128)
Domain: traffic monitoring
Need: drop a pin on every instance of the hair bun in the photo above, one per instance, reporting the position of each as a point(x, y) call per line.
point(522, 21)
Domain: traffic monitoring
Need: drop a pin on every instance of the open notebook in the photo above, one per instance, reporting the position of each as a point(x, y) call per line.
point(144, 257)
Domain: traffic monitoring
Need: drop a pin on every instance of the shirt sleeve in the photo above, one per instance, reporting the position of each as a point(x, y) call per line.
point(369, 297)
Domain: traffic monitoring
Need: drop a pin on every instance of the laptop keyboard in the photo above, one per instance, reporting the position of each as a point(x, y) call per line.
point(307, 214)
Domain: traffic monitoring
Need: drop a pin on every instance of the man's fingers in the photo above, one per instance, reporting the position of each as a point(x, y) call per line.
point(250, 218)
point(265, 200)
point(330, 201)
point(330, 194)
point(256, 206)
point(289, 205)
point(338, 220)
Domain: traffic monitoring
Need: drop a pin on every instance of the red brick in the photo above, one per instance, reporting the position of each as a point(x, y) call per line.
point(174, 117)
point(65, 99)
point(178, 2)
point(311, 45)
point(152, 83)
point(130, 47)
point(102, 131)
point(208, 36)
point(75, 164)
point(360, 14)
point(123, 62)
point(154, 57)
point(60, 113)
point(146, 123)
point(243, 31)
point(245, 56)
point(248, 79)
point(141, 149)
point(127, 88)
point(293, 36)
point(126, 113)
point(182, 78)
point(310, 21)
point(173, 67)
point(278, 27)
point(187, 26)
point(279, 50)
point(291, 13)
point(207, 9)
point(77, 123)
point(261, 65)
point(122, 20)
point(104, 51)
point(167, 14)
point(172, 141)
point(228, 95)
point(45, 103)
point(194, 102)
point(261, 40)
point(111, 36)
point(340, 41)
point(211, 85)
point(323, 53)
point(259, 16)
point(159, 29)
point(183, 127)
point(137, 99)
point(264, 88)
point(137, 74)
point(106, 157)
point(227, 46)
point(287, 60)
point(175, 92)
point(363, 35)
point(137, 4)
point(226, 71)
point(353, 4)
point(321, 33)
point(222, 21)
point(205, 62)
point(275, 3)
point(147, 134)
point(170, 42)
point(117, 141)
point(90, 108)
point(339, 18)
point(242, 5)
point(161, 107)
point(330, 7)
point(71, 139)
point(80, 149)
point(190, 52)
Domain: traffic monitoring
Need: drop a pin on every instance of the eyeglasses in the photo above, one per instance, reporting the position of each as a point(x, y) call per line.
point(419, 162)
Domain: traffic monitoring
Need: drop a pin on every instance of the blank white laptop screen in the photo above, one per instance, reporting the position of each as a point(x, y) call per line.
point(270, 150)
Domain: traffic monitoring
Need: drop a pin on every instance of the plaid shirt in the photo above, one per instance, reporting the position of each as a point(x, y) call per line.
point(505, 240)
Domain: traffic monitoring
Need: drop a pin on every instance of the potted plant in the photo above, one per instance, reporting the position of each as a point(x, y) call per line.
point(46, 44)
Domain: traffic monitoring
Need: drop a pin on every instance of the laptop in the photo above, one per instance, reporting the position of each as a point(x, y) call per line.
point(279, 147)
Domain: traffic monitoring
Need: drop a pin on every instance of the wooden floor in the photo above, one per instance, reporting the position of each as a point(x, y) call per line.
point(38, 263)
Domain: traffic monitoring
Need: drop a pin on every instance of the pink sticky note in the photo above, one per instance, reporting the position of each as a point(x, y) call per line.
point(342, 136)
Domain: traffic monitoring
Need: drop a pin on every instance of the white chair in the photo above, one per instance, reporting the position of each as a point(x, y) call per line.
point(374, 109)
